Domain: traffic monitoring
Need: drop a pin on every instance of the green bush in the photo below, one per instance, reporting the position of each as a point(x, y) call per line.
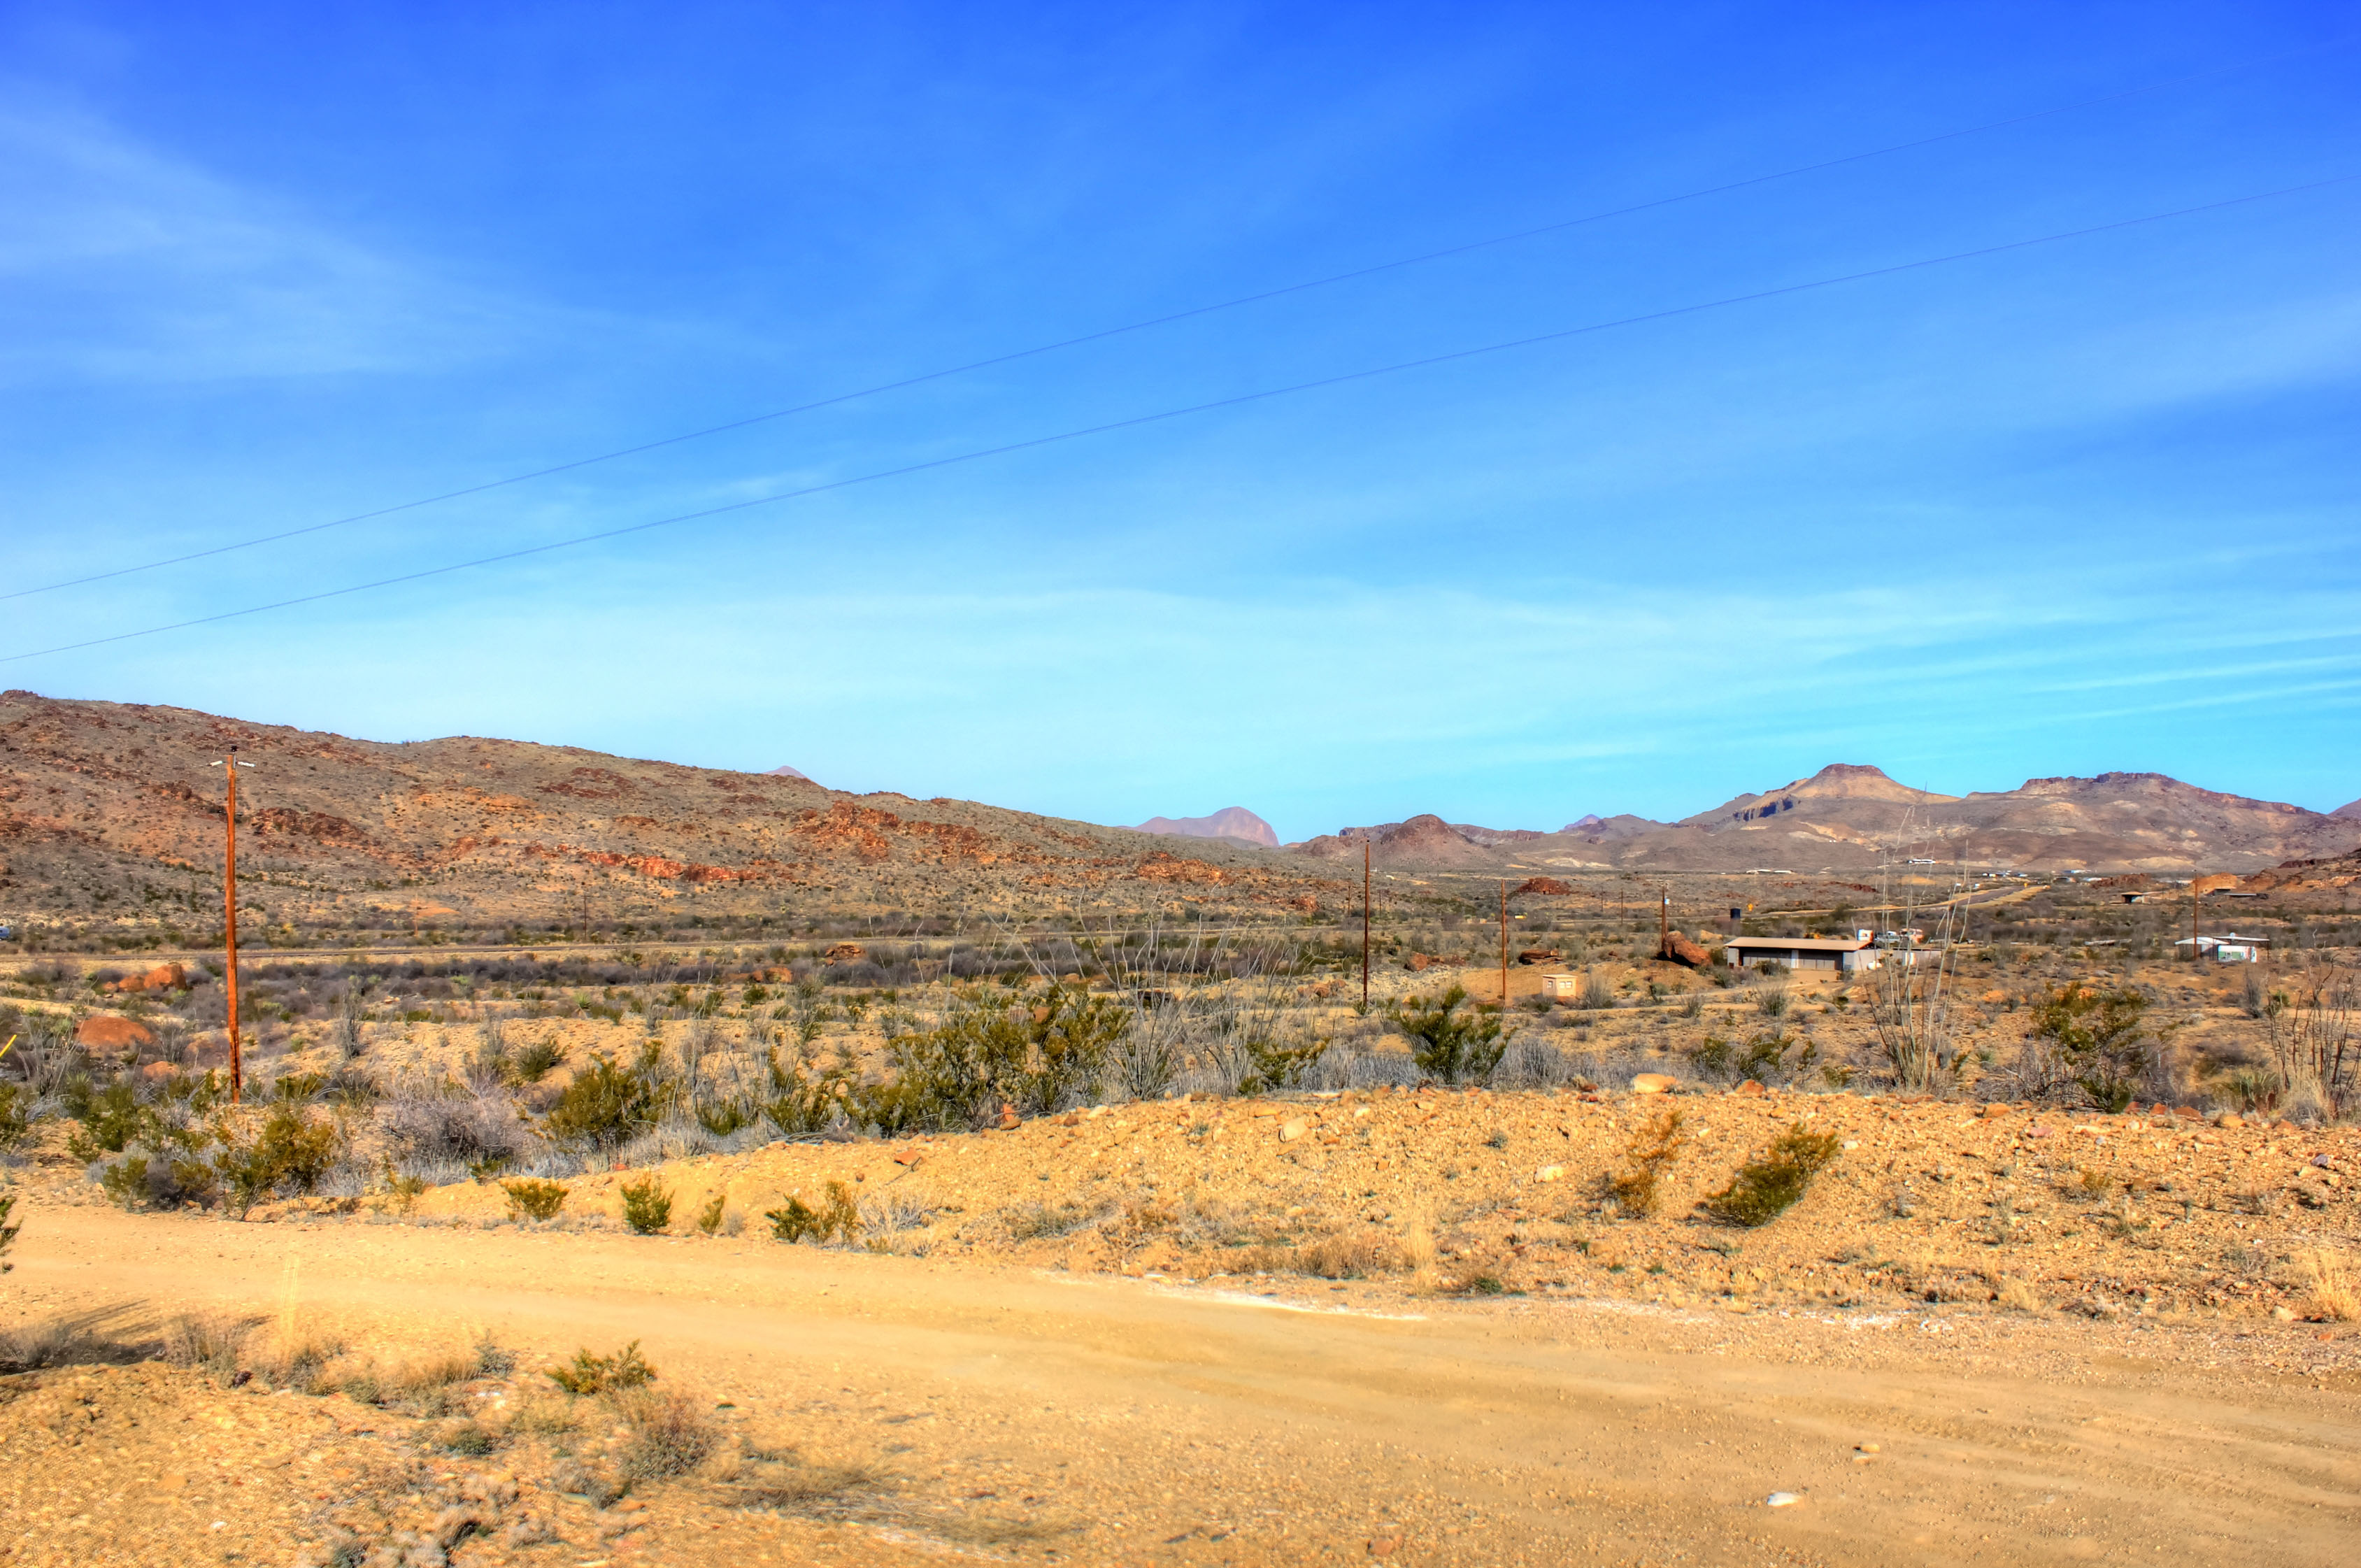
point(992, 1052)
point(537, 1060)
point(604, 1373)
point(2100, 1033)
point(112, 1118)
point(533, 1198)
point(1767, 1188)
point(16, 1116)
point(607, 1104)
point(1452, 1045)
point(708, 1218)
point(292, 1150)
point(838, 1217)
point(647, 1207)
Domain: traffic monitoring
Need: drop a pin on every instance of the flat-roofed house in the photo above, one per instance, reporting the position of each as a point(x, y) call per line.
point(1846, 954)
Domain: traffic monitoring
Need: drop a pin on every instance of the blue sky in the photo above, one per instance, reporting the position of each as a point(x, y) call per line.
point(2083, 506)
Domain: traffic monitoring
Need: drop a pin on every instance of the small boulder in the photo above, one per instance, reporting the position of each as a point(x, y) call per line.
point(1549, 1173)
point(112, 1031)
point(1654, 1083)
point(1679, 949)
point(2229, 1119)
point(1750, 1086)
point(1291, 1130)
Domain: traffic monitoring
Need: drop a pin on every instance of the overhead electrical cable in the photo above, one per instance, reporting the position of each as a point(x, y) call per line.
point(1167, 320)
point(1237, 401)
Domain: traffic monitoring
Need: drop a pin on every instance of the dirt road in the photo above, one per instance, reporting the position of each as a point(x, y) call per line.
point(1144, 1421)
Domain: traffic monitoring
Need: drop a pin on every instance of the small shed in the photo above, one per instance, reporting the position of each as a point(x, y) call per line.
point(1561, 987)
point(2229, 948)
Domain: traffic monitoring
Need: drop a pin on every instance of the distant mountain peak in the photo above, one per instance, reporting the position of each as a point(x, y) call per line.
point(784, 772)
point(2351, 811)
point(1230, 822)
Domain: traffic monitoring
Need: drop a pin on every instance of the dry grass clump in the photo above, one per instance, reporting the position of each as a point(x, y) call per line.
point(2019, 1296)
point(1354, 1256)
point(2333, 1299)
point(1651, 1151)
point(670, 1433)
point(1046, 1222)
point(1765, 1189)
point(62, 1341)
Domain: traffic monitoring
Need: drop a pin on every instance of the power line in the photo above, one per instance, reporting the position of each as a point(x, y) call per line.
point(1138, 420)
point(1106, 332)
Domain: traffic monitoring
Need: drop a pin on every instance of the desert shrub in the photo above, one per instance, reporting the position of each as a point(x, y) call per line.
point(589, 1373)
point(1274, 1065)
point(606, 1103)
point(1651, 1151)
point(2251, 1090)
point(723, 1117)
point(837, 1218)
point(1774, 1056)
point(475, 1125)
point(709, 1217)
point(994, 1052)
point(466, 1437)
point(16, 1116)
point(110, 1118)
point(534, 1198)
point(1452, 1045)
point(647, 1206)
point(537, 1061)
point(669, 1434)
point(1771, 1000)
point(1765, 1189)
point(8, 1230)
point(2099, 1034)
point(292, 1150)
point(1597, 992)
point(800, 1105)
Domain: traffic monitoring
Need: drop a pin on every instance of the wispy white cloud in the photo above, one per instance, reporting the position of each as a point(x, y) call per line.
point(122, 261)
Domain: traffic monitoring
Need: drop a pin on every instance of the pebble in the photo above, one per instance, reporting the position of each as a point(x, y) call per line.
point(1782, 1500)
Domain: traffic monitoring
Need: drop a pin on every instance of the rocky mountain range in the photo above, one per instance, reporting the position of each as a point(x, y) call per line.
point(1850, 817)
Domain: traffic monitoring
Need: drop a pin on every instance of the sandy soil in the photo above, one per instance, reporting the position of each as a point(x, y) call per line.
point(1128, 1393)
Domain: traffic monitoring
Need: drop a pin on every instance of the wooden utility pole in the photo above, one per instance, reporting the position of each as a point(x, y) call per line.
point(1365, 926)
point(1665, 924)
point(1504, 944)
point(229, 766)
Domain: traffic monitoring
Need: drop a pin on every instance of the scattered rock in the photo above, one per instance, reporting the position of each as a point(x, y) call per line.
point(1782, 1500)
point(2229, 1119)
point(1751, 1086)
point(845, 953)
point(1294, 1129)
point(1549, 1173)
point(1654, 1083)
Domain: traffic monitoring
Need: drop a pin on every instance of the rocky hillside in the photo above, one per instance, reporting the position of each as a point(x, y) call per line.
point(111, 810)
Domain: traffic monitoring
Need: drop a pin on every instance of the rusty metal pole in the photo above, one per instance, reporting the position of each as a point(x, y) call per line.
point(229, 908)
point(1365, 926)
